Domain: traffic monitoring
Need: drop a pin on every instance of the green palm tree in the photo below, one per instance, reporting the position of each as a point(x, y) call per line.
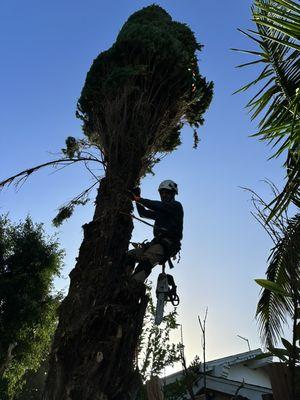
point(276, 102)
point(279, 299)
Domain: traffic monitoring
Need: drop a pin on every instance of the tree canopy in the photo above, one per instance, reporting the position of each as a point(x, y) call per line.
point(144, 87)
point(28, 263)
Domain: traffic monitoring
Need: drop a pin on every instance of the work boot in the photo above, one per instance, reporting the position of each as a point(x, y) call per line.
point(142, 271)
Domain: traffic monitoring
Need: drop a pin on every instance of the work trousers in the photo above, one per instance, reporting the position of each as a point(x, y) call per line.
point(154, 254)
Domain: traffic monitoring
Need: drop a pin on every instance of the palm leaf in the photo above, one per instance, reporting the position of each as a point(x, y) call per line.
point(273, 307)
point(276, 103)
point(284, 40)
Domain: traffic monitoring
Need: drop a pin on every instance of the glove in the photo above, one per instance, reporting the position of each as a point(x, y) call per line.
point(136, 191)
point(135, 194)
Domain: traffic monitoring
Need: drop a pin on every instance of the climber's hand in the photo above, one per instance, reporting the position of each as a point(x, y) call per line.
point(133, 195)
point(137, 191)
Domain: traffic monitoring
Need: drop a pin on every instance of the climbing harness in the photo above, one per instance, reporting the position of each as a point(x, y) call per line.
point(166, 287)
point(165, 291)
point(169, 248)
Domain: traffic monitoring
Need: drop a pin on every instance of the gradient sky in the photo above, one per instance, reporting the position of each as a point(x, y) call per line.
point(46, 50)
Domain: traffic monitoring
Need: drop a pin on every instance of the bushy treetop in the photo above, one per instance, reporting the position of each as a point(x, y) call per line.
point(153, 61)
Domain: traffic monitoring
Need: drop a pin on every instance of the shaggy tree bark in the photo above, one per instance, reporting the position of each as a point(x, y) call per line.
point(102, 316)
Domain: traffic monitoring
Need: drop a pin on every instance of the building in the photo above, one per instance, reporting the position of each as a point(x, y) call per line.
point(242, 375)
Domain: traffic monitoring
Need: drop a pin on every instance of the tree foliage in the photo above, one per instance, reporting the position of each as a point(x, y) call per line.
point(279, 302)
point(141, 91)
point(281, 288)
point(156, 352)
point(180, 388)
point(28, 263)
point(34, 383)
point(277, 100)
point(276, 302)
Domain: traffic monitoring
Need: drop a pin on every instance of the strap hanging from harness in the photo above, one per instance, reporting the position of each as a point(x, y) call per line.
point(171, 265)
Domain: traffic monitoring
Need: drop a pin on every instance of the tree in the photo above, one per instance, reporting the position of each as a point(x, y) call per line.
point(279, 301)
point(136, 98)
point(28, 263)
point(280, 298)
point(278, 97)
point(277, 103)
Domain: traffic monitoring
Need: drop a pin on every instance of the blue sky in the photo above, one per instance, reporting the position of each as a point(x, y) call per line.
point(46, 50)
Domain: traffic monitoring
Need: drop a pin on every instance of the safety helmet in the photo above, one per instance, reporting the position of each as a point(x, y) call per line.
point(168, 185)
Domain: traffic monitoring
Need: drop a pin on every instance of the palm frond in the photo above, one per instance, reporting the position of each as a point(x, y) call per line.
point(276, 103)
point(273, 309)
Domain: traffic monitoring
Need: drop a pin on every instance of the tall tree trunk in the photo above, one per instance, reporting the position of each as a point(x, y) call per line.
point(101, 317)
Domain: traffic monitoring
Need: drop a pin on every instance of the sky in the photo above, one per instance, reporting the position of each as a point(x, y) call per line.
point(46, 50)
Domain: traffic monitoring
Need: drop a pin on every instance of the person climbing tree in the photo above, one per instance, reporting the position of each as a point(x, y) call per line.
point(168, 217)
point(137, 96)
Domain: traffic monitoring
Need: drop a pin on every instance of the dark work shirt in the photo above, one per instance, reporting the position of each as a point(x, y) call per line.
point(168, 217)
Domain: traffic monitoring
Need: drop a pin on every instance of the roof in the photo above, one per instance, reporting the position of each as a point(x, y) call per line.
point(219, 379)
point(218, 367)
point(235, 359)
point(221, 366)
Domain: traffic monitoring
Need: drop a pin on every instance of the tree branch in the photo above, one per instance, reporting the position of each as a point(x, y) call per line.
point(25, 173)
point(8, 358)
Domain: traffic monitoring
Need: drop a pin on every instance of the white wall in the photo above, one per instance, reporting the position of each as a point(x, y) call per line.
point(253, 376)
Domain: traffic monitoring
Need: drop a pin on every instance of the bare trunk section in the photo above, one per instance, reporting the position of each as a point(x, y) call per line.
point(7, 360)
point(101, 317)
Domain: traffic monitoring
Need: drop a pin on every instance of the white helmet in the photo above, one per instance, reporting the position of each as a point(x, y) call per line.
point(168, 185)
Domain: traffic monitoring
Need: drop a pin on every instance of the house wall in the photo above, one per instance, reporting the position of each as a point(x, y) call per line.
point(253, 376)
point(221, 396)
point(216, 396)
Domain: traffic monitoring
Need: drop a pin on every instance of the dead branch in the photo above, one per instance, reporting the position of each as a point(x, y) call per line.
point(23, 175)
point(274, 227)
point(203, 330)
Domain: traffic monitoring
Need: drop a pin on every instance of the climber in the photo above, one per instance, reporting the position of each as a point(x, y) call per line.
point(168, 217)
